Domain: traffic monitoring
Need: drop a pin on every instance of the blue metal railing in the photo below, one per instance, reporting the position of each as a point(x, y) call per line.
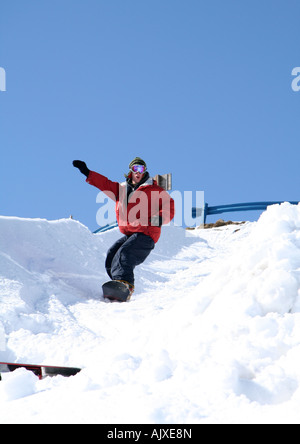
point(106, 228)
point(247, 206)
point(218, 209)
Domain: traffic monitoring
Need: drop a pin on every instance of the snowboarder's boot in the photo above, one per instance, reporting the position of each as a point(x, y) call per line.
point(129, 286)
point(117, 290)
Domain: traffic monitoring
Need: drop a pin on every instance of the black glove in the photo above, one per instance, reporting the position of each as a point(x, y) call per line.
point(82, 167)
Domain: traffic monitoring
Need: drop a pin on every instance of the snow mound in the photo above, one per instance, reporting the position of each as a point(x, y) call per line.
point(211, 335)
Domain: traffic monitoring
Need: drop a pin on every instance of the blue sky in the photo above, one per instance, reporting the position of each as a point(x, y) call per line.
point(198, 88)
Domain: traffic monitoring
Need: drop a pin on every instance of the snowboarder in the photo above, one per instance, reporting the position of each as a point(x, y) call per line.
point(142, 207)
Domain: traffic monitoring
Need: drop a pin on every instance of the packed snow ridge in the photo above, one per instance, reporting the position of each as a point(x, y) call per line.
point(211, 334)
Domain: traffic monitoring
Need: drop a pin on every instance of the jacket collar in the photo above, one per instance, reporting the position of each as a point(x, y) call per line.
point(146, 180)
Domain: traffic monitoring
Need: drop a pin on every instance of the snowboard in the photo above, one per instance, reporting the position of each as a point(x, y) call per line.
point(39, 370)
point(116, 291)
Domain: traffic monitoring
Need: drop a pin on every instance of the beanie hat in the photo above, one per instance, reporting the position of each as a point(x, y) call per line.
point(137, 161)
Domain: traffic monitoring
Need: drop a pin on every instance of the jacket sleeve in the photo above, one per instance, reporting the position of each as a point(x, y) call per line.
point(167, 212)
point(162, 207)
point(110, 188)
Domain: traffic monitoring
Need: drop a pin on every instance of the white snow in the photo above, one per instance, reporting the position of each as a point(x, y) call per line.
point(211, 335)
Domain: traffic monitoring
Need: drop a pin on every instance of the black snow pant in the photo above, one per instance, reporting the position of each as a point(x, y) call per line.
point(125, 254)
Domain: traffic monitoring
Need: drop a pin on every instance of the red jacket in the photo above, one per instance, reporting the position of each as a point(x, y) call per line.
point(142, 210)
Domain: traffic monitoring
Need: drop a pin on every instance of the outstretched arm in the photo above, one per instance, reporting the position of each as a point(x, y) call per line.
point(111, 189)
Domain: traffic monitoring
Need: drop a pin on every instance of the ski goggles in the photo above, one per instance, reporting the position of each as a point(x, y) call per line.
point(138, 169)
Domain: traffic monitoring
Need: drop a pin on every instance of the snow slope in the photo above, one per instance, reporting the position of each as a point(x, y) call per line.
point(211, 335)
